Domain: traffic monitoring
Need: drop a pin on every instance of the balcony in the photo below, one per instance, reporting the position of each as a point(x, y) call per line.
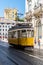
point(38, 11)
point(28, 15)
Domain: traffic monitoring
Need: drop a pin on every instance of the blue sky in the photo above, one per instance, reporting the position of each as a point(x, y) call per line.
point(19, 4)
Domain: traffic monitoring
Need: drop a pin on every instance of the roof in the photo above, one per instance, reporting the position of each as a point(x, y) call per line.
point(20, 26)
point(3, 20)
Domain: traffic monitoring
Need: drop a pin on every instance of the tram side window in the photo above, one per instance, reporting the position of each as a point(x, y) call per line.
point(23, 33)
point(15, 34)
point(12, 34)
point(28, 33)
point(32, 33)
point(9, 34)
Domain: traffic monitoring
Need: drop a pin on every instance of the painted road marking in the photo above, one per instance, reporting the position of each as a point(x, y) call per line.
point(32, 56)
point(28, 54)
point(4, 45)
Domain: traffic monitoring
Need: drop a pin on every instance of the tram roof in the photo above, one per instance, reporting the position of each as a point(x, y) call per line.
point(20, 26)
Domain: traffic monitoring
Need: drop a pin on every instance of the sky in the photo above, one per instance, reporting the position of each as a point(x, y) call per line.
point(18, 4)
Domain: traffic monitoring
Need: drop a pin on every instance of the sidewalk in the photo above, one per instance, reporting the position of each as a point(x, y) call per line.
point(5, 40)
point(36, 46)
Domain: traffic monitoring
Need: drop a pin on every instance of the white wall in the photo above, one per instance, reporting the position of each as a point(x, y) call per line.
point(26, 6)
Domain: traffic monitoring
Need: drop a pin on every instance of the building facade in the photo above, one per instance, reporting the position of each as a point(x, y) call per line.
point(10, 14)
point(5, 24)
point(34, 14)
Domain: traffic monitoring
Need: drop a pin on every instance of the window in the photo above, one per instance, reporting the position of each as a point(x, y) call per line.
point(3, 33)
point(12, 23)
point(0, 37)
point(0, 33)
point(6, 29)
point(0, 25)
point(6, 26)
point(9, 34)
point(0, 29)
point(23, 33)
point(13, 15)
point(3, 29)
point(6, 35)
point(12, 12)
point(14, 34)
point(30, 33)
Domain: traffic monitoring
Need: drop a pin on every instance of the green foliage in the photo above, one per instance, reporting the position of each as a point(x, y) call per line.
point(19, 19)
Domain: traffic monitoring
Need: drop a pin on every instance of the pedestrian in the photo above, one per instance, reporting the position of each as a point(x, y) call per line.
point(39, 43)
point(35, 41)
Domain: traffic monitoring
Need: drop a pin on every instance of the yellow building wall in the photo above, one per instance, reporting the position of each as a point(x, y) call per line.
point(10, 14)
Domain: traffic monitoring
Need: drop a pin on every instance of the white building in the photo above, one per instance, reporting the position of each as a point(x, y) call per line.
point(5, 24)
point(34, 14)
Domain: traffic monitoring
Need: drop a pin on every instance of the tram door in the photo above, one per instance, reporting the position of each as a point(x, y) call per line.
point(22, 37)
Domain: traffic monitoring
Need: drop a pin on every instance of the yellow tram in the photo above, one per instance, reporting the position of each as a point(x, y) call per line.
point(21, 35)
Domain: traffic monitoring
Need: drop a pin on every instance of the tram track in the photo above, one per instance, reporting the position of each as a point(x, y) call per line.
point(12, 60)
point(15, 55)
